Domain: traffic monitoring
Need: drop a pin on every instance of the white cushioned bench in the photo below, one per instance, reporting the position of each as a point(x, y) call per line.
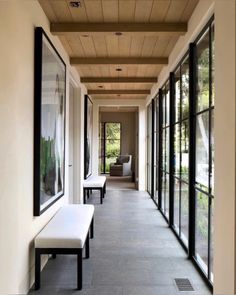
point(97, 182)
point(66, 233)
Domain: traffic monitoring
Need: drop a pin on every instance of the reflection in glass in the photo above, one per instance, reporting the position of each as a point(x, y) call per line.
point(167, 146)
point(163, 190)
point(177, 150)
point(167, 196)
point(185, 150)
point(201, 231)
point(177, 96)
point(176, 203)
point(164, 149)
point(203, 73)
point(202, 149)
point(184, 212)
point(185, 88)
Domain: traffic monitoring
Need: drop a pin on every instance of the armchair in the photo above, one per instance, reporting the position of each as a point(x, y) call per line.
point(122, 166)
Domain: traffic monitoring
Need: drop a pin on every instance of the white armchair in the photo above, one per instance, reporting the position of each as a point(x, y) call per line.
point(122, 166)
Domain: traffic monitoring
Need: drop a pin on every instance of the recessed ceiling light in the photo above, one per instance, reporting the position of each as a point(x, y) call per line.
point(118, 94)
point(118, 69)
point(75, 4)
point(100, 86)
point(118, 33)
point(85, 36)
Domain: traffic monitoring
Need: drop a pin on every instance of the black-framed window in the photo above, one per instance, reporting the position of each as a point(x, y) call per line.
point(204, 151)
point(150, 151)
point(165, 146)
point(184, 150)
point(180, 126)
point(109, 145)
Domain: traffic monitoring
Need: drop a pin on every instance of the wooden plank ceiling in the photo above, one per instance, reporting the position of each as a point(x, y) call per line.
point(119, 44)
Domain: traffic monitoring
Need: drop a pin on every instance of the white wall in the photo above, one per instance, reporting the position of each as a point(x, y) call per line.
point(18, 226)
point(142, 133)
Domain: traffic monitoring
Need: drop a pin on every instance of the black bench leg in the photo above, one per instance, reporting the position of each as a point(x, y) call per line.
point(79, 270)
point(105, 187)
point(92, 229)
point(84, 195)
point(101, 195)
point(37, 269)
point(54, 256)
point(87, 247)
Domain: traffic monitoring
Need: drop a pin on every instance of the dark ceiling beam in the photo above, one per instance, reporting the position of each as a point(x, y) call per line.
point(171, 28)
point(145, 80)
point(125, 91)
point(119, 61)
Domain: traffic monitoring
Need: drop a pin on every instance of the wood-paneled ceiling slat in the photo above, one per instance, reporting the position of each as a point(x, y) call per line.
point(158, 25)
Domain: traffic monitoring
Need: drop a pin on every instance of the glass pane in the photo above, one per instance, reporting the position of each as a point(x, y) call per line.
point(109, 161)
point(167, 196)
point(163, 107)
point(167, 149)
point(102, 126)
point(176, 203)
point(185, 88)
point(113, 130)
point(177, 96)
point(212, 152)
point(163, 149)
point(202, 150)
point(101, 166)
point(212, 240)
point(203, 73)
point(177, 150)
point(201, 234)
point(163, 190)
point(213, 64)
point(185, 150)
point(167, 104)
point(184, 212)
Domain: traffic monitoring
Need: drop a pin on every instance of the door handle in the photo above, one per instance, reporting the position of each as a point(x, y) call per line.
point(70, 165)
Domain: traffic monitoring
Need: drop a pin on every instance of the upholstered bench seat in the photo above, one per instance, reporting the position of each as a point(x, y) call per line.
point(95, 182)
point(66, 233)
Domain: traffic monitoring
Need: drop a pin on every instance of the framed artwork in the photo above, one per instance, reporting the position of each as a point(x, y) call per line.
point(88, 136)
point(49, 123)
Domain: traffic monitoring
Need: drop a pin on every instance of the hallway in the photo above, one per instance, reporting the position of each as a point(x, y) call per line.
point(133, 253)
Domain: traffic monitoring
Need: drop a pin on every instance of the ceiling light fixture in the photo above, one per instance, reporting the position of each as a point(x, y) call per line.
point(100, 86)
point(118, 69)
point(75, 4)
point(85, 36)
point(118, 33)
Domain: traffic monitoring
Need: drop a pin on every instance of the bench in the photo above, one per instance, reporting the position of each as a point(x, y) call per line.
point(66, 233)
point(95, 183)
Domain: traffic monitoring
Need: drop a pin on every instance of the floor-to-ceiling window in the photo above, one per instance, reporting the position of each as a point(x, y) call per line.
point(165, 145)
point(204, 151)
point(184, 150)
point(110, 145)
point(156, 149)
point(150, 136)
point(181, 150)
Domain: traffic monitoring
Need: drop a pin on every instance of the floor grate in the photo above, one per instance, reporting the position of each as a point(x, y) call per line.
point(184, 285)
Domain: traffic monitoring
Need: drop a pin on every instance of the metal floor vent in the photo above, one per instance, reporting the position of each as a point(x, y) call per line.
point(184, 285)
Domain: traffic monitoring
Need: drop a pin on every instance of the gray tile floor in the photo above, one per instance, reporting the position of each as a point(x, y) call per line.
point(133, 253)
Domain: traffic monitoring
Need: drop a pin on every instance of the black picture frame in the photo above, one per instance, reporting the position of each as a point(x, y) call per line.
point(88, 136)
point(49, 123)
